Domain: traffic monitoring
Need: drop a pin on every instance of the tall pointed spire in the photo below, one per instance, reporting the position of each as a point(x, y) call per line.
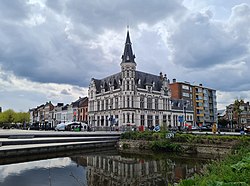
point(128, 55)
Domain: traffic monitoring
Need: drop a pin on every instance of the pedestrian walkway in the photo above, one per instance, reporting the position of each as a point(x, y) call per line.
point(19, 142)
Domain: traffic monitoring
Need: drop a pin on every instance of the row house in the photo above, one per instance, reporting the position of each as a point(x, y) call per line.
point(83, 110)
point(48, 115)
point(41, 116)
point(236, 119)
point(57, 114)
point(245, 114)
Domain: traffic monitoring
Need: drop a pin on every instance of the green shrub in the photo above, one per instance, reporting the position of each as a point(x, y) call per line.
point(233, 170)
point(187, 183)
point(166, 146)
point(125, 146)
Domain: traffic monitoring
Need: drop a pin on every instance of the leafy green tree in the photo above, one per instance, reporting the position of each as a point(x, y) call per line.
point(21, 117)
point(7, 116)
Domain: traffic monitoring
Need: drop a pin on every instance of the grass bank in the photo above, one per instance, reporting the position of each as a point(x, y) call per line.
point(232, 170)
point(158, 141)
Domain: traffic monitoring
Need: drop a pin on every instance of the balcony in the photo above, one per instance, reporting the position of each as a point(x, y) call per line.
point(199, 94)
point(199, 100)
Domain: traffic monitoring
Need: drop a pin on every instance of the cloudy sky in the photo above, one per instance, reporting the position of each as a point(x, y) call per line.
point(50, 50)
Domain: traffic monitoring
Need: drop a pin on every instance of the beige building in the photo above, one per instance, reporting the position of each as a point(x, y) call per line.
point(205, 105)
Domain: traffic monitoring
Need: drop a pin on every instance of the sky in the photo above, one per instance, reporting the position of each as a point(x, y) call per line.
point(50, 50)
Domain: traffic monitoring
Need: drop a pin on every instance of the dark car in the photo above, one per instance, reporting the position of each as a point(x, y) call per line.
point(205, 128)
point(34, 127)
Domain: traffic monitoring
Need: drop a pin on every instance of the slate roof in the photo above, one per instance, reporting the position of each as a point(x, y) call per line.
point(141, 80)
point(77, 102)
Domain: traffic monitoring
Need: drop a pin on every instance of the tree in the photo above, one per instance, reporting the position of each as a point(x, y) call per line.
point(21, 117)
point(7, 116)
point(237, 110)
point(222, 122)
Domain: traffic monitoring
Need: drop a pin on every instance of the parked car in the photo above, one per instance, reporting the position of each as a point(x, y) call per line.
point(61, 127)
point(34, 127)
point(71, 126)
point(205, 128)
point(195, 128)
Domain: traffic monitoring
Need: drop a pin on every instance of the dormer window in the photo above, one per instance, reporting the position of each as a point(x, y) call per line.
point(127, 57)
point(149, 88)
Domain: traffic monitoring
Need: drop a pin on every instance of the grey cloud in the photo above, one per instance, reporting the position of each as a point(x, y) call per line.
point(46, 52)
point(200, 42)
point(239, 24)
point(65, 92)
point(14, 10)
point(99, 15)
point(46, 56)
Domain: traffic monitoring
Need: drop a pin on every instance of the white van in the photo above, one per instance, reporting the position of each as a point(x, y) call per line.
point(71, 126)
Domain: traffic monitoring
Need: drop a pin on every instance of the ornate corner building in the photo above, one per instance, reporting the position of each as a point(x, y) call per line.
point(130, 97)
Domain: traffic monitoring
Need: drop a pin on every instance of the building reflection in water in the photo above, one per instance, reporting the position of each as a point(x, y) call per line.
point(118, 170)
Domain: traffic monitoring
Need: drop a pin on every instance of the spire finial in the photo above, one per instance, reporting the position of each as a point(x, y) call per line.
point(128, 55)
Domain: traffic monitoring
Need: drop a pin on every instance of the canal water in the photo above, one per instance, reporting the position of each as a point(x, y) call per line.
point(105, 168)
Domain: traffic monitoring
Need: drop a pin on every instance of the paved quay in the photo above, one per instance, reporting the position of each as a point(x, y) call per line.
point(8, 132)
point(15, 142)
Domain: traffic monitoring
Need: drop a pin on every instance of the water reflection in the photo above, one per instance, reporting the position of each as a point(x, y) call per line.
point(121, 170)
point(102, 170)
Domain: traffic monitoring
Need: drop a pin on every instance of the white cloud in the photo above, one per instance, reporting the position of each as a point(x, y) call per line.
point(227, 98)
point(8, 170)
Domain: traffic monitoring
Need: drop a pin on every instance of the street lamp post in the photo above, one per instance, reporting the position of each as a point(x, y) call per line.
point(184, 112)
point(93, 128)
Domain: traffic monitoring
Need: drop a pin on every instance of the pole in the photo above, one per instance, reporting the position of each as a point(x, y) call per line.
point(184, 112)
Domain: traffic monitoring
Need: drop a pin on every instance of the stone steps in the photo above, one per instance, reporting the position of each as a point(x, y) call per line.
point(31, 143)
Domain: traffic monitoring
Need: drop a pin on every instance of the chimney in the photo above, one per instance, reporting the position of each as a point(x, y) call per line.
point(174, 80)
point(161, 76)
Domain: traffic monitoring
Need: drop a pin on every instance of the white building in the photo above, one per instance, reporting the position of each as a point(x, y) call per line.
point(130, 97)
